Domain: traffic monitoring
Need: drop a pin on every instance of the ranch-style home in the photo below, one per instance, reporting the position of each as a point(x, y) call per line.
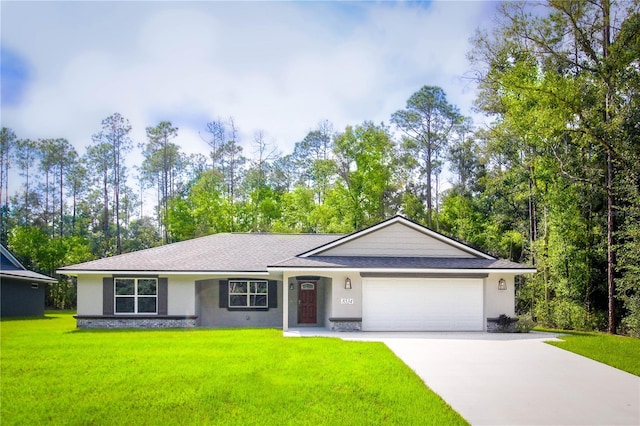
point(393, 276)
point(22, 292)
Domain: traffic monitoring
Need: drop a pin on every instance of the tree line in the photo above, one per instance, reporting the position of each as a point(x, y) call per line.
point(553, 180)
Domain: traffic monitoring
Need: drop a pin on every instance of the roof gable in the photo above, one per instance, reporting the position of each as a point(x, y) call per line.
point(397, 237)
point(8, 260)
point(11, 268)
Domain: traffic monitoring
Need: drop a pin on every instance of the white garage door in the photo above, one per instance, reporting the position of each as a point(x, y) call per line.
point(422, 304)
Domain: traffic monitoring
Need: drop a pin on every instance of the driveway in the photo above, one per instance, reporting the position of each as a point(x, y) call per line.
point(514, 379)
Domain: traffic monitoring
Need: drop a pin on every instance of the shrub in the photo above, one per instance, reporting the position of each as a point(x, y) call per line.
point(568, 315)
point(525, 324)
point(631, 322)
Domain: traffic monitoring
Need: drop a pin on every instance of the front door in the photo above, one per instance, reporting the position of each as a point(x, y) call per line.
point(307, 302)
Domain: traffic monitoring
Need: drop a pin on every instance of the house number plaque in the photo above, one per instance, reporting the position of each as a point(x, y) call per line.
point(346, 301)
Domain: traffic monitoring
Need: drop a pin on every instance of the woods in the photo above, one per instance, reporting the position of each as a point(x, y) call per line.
point(553, 180)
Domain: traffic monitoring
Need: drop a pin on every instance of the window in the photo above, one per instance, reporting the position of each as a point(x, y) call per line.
point(136, 295)
point(248, 294)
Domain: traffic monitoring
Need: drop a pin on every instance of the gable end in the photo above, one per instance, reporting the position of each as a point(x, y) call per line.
point(397, 237)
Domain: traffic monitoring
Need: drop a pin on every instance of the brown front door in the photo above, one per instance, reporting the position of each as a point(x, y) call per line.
point(307, 302)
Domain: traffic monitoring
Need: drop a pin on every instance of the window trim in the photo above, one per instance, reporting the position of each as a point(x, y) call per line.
point(135, 295)
point(248, 295)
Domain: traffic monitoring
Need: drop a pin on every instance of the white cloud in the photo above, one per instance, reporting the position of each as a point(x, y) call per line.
point(278, 67)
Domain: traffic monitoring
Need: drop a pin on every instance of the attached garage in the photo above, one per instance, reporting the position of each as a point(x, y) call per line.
point(422, 304)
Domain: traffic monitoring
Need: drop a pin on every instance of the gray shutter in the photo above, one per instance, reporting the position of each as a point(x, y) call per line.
point(163, 295)
point(273, 294)
point(107, 296)
point(223, 296)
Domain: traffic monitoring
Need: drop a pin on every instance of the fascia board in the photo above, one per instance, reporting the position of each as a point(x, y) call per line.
point(75, 273)
point(409, 270)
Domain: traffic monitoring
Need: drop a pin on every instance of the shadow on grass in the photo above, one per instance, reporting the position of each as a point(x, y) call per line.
point(49, 314)
point(163, 330)
point(567, 332)
point(9, 319)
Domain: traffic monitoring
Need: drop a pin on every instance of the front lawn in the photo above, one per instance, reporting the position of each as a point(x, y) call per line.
point(617, 351)
point(54, 374)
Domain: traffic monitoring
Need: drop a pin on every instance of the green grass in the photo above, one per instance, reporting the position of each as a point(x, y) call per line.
point(54, 374)
point(617, 351)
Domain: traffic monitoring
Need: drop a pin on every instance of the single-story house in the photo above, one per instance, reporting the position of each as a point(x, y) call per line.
point(22, 292)
point(396, 275)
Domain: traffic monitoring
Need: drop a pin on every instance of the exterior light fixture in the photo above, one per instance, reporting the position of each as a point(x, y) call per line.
point(290, 286)
point(347, 283)
point(502, 284)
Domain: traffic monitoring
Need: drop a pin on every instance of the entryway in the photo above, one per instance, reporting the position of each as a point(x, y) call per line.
point(307, 302)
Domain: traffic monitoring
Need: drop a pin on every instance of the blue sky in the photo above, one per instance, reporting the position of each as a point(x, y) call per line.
point(279, 67)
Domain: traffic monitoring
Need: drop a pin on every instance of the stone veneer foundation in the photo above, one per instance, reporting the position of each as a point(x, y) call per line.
point(502, 324)
point(346, 324)
point(135, 322)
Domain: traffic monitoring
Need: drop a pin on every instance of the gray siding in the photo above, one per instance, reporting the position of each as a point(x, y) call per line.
point(210, 314)
point(19, 299)
point(397, 240)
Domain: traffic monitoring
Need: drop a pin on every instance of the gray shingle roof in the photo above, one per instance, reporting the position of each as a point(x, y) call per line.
point(257, 252)
point(397, 263)
point(213, 253)
point(26, 275)
point(10, 267)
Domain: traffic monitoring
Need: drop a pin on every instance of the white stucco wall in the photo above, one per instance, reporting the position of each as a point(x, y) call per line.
point(89, 295)
point(338, 293)
point(496, 301)
point(181, 295)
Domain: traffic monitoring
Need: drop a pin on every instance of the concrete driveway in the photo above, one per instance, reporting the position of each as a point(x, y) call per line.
point(514, 379)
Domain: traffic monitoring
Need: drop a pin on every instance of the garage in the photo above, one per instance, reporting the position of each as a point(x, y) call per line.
point(422, 304)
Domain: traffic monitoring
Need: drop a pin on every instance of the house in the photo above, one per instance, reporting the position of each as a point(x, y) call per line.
point(22, 291)
point(393, 276)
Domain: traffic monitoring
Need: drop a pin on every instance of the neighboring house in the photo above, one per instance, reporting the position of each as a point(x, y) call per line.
point(21, 291)
point(396, 276)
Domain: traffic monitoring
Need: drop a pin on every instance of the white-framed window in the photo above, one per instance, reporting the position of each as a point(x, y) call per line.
point(248, 294)
point(136, 295)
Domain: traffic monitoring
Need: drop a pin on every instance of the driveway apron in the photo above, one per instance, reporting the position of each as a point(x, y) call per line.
point(519, 380)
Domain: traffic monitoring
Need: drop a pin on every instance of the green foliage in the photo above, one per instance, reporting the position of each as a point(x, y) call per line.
point(562, 84)
point(298, 212)
point(204, 377)
point(427, 122)
point(566, 314)
point(365, 167)
point(525, 324)
point(42, 253)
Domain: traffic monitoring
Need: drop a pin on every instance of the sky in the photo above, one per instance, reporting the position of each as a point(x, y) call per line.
point(276, 67)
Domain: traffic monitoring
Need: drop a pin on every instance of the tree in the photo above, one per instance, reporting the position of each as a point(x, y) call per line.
point(226, 153)
point(463, 155)
point(566, 70)
point(313, 158)
point(162, 165)
point(43, 253)
point(25, 156)
point(115, 133)
point(7, 146)
point(76, 181)
point(426, 123)
point(97, 158)
point(56, 156)
point(365, 166)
